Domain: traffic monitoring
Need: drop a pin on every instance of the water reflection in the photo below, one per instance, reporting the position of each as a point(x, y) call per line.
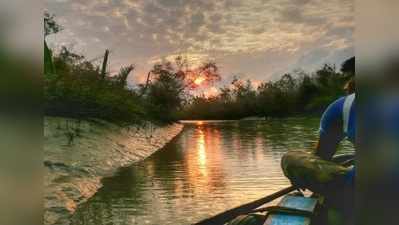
point(201, 151)
point(204, 161)
point(210, 167)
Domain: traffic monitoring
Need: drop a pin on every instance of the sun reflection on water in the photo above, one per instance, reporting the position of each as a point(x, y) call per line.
point(201, 149)
point(201, 152)
point(204, 159)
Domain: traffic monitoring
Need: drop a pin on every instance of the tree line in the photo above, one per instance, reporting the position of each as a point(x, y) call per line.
point(294, 93)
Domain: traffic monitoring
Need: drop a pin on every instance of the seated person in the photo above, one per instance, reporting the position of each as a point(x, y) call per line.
point(318, 172)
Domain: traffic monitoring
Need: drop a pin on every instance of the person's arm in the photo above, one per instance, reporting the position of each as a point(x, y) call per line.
point(329, 141)
point(331, 130)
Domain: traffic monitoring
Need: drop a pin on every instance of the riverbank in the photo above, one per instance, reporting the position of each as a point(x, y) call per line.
point(78, 154)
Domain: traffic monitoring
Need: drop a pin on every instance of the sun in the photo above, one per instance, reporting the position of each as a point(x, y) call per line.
point(199, 80)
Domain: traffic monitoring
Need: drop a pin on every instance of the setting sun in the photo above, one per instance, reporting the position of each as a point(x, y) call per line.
point(199, 80)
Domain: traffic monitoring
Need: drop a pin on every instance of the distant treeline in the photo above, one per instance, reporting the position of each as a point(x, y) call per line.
point(295, 93)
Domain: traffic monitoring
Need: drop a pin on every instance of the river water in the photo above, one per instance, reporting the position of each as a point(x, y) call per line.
point(210, 167)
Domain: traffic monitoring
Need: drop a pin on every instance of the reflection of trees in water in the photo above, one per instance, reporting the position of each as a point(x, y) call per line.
point(108, 206)
point(288, 134)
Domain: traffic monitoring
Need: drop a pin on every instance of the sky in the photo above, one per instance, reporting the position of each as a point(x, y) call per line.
point(251, 39)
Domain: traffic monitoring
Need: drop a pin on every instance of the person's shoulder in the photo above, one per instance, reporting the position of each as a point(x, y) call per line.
point(337, 106)
point(333, 114)
point(340, 101)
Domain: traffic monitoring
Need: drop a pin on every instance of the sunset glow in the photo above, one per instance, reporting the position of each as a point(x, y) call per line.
point(199, 80)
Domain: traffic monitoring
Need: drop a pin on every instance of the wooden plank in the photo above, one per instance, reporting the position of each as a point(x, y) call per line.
point(293, 202)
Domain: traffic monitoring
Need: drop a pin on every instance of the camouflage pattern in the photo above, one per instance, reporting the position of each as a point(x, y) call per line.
point(307, 170)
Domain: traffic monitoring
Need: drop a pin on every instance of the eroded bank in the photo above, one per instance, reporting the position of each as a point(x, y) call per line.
point(78, 154)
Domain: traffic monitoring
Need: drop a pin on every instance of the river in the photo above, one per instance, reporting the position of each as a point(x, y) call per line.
point(210, 167)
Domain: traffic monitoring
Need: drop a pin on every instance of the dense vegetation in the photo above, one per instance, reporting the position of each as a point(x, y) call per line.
point(295, 93)
point(77, 87)
point(80, 89)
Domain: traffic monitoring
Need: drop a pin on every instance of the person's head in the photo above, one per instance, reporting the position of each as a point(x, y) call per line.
point(350, 86)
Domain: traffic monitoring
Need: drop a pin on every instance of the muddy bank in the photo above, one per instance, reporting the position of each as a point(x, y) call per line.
point(77, 154)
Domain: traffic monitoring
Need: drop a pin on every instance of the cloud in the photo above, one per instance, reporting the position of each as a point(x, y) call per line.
point(256, 37)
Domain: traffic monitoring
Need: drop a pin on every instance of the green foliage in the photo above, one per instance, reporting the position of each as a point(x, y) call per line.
point(75, 87)
point(49, 68)
point(165, 93)
point(50, 25)
point(123, 74)
point(168, 86)
point(292, 94)
point(79, 91)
